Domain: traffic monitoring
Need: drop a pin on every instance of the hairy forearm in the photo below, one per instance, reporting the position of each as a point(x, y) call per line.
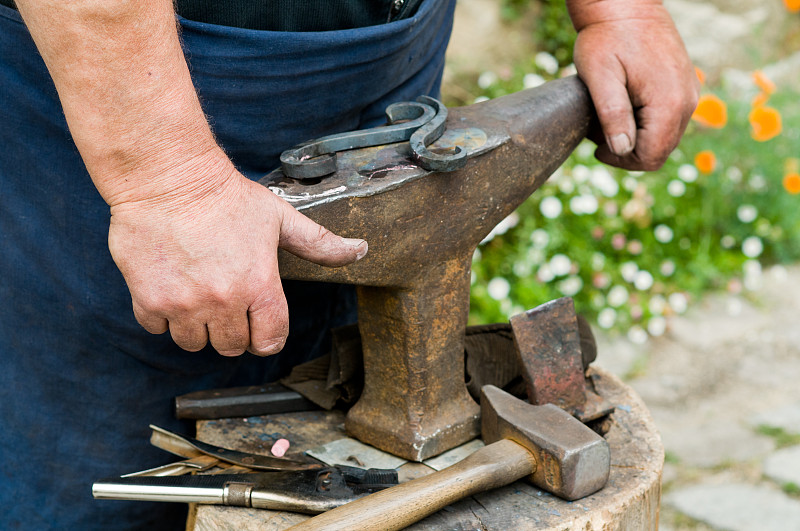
point(126, 91)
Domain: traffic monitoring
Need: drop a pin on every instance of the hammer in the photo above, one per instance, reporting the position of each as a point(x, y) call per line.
point(555, 451)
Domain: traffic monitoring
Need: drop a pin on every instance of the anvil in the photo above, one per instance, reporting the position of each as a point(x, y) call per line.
point(422, 228)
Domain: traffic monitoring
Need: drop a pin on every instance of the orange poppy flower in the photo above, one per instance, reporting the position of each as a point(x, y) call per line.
point(711, 111)
point(761, 99)
point(701, 76)
point(765, 123)
point(705, 161)
point(792, 5)
point(763, 82)
point(791, 182)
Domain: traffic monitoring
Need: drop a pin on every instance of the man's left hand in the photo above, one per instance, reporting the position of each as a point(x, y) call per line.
point(640, 78)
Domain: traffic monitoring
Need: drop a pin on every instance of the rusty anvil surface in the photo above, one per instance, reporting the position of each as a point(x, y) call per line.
point(422, 229)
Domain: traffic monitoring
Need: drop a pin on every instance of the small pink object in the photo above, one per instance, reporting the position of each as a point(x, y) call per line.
point(280, 447)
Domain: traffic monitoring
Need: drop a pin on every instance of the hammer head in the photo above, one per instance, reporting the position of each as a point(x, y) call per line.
point(572, 461)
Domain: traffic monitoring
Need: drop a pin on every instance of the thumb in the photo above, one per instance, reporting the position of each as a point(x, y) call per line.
point(613, 105)
point(309, 240)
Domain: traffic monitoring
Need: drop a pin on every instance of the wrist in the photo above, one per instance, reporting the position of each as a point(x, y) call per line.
point(171, 180)
point(585, 13)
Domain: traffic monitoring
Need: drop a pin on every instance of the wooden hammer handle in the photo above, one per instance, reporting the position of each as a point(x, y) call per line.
point(492, 466)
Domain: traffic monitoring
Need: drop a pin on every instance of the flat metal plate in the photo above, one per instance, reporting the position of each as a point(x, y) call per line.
point(451, 457)
point(351, 452)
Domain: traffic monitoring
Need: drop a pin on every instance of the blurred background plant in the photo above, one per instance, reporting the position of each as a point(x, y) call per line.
point(634, 248)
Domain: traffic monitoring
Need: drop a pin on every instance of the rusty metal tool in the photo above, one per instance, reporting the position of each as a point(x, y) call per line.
point(242, 479)
point(555, 451)
point(428, 134)
point(306, 491)
point(425, 124)
point(422, 228)
point(548, 345)
point(241, 402)
point(189, 447)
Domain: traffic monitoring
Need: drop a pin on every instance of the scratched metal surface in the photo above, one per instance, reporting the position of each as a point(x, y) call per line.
point(368, 171)
point(629, 502)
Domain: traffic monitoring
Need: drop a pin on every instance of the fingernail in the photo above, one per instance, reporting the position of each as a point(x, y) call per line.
point(267, 348)
point(359, 244)
point(620, 144)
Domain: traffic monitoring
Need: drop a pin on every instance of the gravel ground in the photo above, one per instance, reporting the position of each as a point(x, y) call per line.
point(722, 386)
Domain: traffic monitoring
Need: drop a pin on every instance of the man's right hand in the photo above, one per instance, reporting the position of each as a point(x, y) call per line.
point(201, 261)
point(195, 240)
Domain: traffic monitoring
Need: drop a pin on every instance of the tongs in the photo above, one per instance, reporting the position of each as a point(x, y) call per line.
point(242, 479)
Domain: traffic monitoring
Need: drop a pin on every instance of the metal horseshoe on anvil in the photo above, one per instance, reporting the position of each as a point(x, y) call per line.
point(422, 227)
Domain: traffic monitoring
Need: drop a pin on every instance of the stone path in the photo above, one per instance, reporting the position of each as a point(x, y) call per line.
point(723, 385)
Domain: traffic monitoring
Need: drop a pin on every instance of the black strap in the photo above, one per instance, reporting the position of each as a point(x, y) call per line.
point(297, 15)
point(292, 15)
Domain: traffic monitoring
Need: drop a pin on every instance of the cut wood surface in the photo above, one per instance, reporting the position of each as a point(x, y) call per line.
point(629, 502)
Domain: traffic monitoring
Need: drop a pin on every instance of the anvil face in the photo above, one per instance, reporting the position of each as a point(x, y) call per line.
point(375, 170)
point(422, 228)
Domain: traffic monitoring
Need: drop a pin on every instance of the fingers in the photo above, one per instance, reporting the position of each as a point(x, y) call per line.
point(269, 318)
point(261, 331)
point(659, 133)
point(228, 329)
point(189, 334)
point(661, 123)
point(149, 320)
point(607, 85)
point(313, 242)
point(229, 332)
point(643, 87)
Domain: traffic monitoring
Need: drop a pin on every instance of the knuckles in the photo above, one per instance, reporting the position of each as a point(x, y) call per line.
point(189, 336)
point(319, 237)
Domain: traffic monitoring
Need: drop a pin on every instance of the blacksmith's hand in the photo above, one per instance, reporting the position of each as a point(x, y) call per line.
point(641, 80)
point(202, 261)
point(195, 240)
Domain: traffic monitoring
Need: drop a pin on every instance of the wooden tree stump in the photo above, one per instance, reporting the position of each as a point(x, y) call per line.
point(629, 502)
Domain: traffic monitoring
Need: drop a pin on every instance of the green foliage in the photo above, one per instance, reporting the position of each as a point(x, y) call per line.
point(781, 437)
point(513, 9)
point(554, 32)
point(633, 248)
point(793, 489)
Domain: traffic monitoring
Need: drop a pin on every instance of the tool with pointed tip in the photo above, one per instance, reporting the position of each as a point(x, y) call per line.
point(242, 479)
point(190, 447)
point(302, 491)
point(422, 228)
point(548, 344)
point(544, 444)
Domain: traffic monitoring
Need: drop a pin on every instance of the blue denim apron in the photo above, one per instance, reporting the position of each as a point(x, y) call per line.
point(80, 379)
